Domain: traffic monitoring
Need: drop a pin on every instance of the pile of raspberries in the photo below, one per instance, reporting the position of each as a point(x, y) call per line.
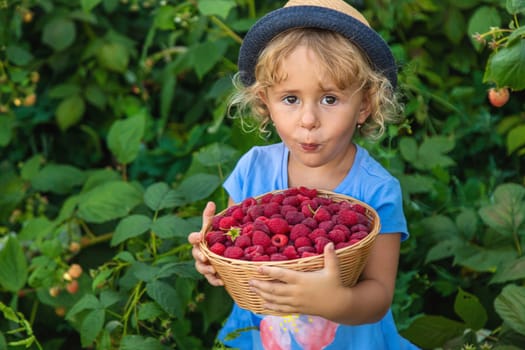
point(291, 224)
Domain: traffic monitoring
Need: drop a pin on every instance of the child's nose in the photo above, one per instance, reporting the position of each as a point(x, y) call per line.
point(309, 118)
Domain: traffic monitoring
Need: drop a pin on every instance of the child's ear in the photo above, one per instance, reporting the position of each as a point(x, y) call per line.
point(365, 109)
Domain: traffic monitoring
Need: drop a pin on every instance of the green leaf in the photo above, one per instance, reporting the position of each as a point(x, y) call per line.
point(129, 227)
point(510, 306)
point(134, 342)
point(58, 178)
point(440, 227)
point(481, 21)
point(417, 183)
point(160, 196)
point(467, 222)
point(171, 226)
point(215, 154)
point(515, 7)
point(149, 311)
point(36, 228)
point(164, 17)
point(166, 296)
point(482, 259)
point(124, 138)
point(95, 96)
point(454, 25)
point(443, 249)
point(110, 200)
point(7, 125)
point(430, 332)
point(506, 67)
point(31, 167)
point(468, 307)
point(216, 7)
point(113, 56)
point(87, 302)
point(205, 55)
point(184, 269)
point(516, 139)
point(65, 90)
point(59, 33)
point(91, 326)
point(510, 271)
point(13, 271)
point(88, 5)
point(18, 55)
point(199, 186)
point(70, 111)
point(507, 212)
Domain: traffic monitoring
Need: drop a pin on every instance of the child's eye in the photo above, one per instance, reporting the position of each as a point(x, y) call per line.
point(290, 100)
point(329, 100)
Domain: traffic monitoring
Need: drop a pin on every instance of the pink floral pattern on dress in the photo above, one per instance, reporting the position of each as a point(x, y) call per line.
point(311, 332)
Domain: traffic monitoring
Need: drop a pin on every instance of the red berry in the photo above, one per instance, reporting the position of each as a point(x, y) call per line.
point(337, 236)
point(233, 252)
point(290, 252)
point(213, 237)
point(498, 97)
point(322, 214)
point(278, 226)
point(218, 248)
point(278, 257)
point(359, 235)
point(299, 230)
point(227, 222)
point(279, 240)
point(302, 241)
point(261, 238)
point(72, 287)
point(253, 251)
point(242, 241)
point(263, 257)
point(347, 217)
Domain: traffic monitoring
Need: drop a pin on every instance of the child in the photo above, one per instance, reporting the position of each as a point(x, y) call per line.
point(319, 74)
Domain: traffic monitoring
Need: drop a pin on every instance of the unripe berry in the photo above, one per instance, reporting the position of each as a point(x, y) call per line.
point(75, 271)
point(72, 287)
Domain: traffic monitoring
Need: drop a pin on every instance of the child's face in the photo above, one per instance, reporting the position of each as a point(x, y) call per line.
point(314, 118)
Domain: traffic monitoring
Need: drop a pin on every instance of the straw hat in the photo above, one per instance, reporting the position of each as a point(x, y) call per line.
point(335, 15)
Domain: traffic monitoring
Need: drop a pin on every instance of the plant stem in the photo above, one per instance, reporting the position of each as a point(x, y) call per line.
point(226, 29)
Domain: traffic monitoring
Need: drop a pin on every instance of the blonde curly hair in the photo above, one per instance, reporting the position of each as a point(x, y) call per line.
point(343, 62)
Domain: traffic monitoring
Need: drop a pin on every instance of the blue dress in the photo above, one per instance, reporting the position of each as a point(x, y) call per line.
point(264, 169)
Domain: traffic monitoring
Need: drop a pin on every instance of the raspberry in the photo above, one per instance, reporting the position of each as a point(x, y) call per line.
point(278, 257)
point(279, 240)
point(322, 214)
point(294, 217)
point(358, 208)
point(218, 248)
point(261, 238)
point(215, 222)
point(308, 254)
point(359, 227)
point(343, 244)
point(278, 226)
point(292, 200)
point(213, 237)
point(271, 250)
point(287, 208)
point(290, 252)
point(299, 230)
point(278, 198)
point(320, 242)
point(247, 229)
point(326, 225)
point(255, 211)
point(253, 251)
point(309, 249)
point(343, 228)
point(347, 217)
point(267, 198)
point(242, 241)
point(302, 241)
point(237, 214)
point(248, 202)
point(318, 232)
point(322, 201)
point(337, 236)
point(334, 207)
point(227, 222)
point(263, 257)
point(359, 235)
point(309, 192)
point(233, 252)
point(310, 222)
point(260, 225)
point(271, 208)
point(362, 219)
point(353, 241)
point(291, 192)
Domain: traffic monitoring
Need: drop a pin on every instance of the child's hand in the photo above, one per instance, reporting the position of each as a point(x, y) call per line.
point(201, 262)
point(310, 293)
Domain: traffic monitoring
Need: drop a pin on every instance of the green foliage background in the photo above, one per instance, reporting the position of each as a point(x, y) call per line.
point(113, 136)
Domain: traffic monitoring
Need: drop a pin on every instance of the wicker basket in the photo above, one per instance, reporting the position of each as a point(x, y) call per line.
point(236, 273)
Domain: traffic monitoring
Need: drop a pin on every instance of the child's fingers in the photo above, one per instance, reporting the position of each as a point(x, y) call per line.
point(207, 215)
